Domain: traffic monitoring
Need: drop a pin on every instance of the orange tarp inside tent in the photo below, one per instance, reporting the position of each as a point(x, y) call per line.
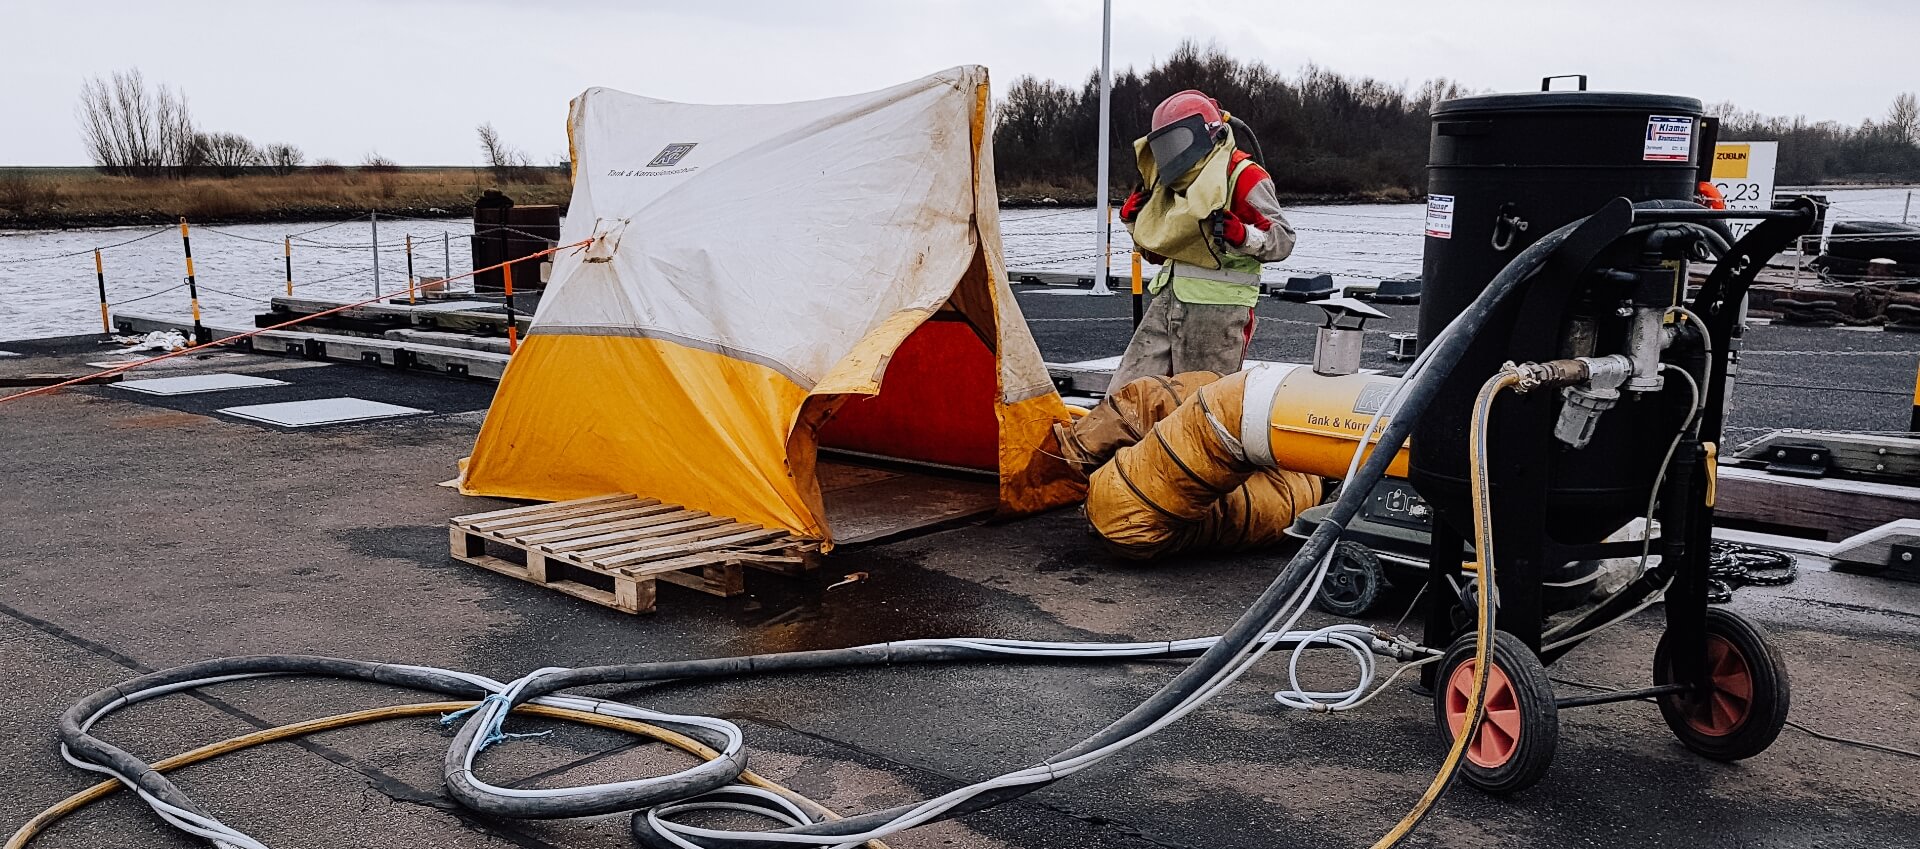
point(766, 279)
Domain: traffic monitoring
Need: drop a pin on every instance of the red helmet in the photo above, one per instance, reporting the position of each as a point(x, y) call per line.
point(1182, 104)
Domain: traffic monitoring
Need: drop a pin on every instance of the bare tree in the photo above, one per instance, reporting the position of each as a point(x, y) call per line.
point(230, 154)
point(132, 130)
point(378, 164)
point(1903, 118)
point(509, 164)
point(284, 158)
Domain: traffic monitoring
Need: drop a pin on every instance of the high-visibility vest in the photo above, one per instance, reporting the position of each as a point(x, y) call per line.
point(1235, 283)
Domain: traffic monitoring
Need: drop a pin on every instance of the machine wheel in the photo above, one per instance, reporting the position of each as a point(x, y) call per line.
point(1516, 740)
point(1355, 580)
point(1747, 703)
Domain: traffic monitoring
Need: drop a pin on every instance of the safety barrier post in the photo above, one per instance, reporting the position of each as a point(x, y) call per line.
point(513, 329)
point(200, 334)
point(1139, 305)
point(411, 280)
point(376, 253)
point(100, 275)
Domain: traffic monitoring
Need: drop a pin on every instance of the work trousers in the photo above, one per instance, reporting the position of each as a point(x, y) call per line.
point(1176, 337)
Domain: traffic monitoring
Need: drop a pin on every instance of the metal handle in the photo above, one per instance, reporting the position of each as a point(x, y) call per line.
point(1546, 83)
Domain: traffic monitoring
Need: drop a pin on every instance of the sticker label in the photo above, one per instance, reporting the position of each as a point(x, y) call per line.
point(1440, 216)
point(1669, 139)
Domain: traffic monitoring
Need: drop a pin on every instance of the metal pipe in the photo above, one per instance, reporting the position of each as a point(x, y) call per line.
point(1636, 694)
point(376, 253)
point(1101, 270)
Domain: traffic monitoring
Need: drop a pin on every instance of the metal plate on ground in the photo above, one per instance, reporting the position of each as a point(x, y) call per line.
point(192, 383)
point(321, 411)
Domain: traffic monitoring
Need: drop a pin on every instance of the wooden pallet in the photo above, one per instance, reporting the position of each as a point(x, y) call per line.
point(611, 549)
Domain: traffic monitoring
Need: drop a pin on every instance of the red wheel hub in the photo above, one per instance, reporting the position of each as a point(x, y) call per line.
point(1724, 708)
point(1499, 735)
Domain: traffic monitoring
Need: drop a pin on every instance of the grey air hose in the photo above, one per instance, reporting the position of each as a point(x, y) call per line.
point(1216, 662)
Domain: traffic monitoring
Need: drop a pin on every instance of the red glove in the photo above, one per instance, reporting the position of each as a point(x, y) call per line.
point(1131, 209)
point(1229, 227)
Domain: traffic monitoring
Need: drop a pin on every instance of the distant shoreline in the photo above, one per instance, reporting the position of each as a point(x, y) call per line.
point(80, 198)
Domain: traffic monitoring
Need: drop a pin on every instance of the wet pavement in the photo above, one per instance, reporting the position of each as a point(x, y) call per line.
point(143, 532)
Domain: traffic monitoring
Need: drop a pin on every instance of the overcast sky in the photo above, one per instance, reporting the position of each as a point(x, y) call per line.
point(411, 78)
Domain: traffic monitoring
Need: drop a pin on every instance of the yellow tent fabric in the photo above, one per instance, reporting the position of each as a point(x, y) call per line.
point(753, 269)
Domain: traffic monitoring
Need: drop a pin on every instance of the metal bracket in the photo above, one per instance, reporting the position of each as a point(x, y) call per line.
point(1903, 562)
point(1800, 460)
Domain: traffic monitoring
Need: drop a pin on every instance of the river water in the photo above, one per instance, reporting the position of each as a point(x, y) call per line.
point(48, 287)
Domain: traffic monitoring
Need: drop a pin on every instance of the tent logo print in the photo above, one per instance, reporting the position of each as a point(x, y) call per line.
point(671, 155)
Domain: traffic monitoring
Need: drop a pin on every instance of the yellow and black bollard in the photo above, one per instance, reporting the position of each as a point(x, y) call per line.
point(513, 329)
point(100, 276)
point(288, 250)
point(1139, 303)
point(411, 280)
point(1913, 424)
point(200, 334)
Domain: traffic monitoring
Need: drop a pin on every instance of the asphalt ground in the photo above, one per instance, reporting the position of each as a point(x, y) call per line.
point(141, 532)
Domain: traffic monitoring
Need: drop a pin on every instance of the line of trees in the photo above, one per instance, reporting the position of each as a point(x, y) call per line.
point(1328, 134)
point(1885, 151)
point(132, 129)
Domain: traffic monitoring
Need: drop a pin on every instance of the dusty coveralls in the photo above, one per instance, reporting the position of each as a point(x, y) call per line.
point(1201, 319)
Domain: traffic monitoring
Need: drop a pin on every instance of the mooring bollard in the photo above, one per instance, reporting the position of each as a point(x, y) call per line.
point(100, 275)
point(200, 333)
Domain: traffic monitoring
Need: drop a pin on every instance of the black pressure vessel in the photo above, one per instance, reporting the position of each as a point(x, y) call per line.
point(1545, 158)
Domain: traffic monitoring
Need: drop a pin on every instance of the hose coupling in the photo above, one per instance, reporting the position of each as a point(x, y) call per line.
point(1531, 376)
point(1582, 403)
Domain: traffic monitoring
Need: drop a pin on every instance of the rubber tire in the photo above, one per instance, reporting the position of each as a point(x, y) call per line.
point(1354, 583)
point(1539, 714)
point(1772, 695)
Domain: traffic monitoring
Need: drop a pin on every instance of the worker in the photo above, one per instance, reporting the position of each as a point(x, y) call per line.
point(1208, 214)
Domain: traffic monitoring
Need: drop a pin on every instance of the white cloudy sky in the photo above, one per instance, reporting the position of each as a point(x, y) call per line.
point(411, 78)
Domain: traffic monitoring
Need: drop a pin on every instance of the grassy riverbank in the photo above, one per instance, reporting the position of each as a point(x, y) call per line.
point(59, 198)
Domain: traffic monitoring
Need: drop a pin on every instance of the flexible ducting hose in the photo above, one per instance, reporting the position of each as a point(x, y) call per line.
point(1219, 662)
point(1187, 486)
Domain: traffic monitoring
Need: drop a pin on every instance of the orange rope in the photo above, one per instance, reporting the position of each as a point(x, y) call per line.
point(411, 285)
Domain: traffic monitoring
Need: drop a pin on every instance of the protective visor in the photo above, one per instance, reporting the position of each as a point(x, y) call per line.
point(1177, 147)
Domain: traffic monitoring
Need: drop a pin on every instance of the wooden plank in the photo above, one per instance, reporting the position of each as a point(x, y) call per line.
point(1874, 455)
point(527, 508)
point(1833, 509)
point(553, 512)
point(702, 543)
point(578, 525)
point(654, 549)
point(644, 533)
point(723, 579)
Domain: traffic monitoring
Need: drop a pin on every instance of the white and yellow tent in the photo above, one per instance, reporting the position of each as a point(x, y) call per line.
point(764, 280)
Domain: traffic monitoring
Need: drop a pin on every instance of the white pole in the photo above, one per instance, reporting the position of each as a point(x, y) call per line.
point(1105, 222)
point(376, 254)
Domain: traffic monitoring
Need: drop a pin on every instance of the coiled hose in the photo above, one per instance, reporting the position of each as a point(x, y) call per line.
point(1217, 663)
